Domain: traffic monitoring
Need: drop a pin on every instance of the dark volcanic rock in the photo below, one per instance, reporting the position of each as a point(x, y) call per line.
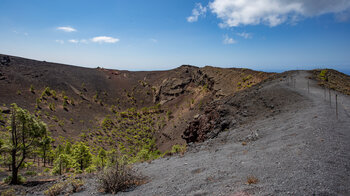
point(5, 60)
point(243, 107)
point(176, 86)
point(198, 130)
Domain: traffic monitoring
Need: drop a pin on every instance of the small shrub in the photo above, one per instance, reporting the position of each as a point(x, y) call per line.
point(61, 123)
point(8, 192)
point(247, 78)
point(205, 87)
point(323, 75)
point(56, 189)
point(31, 89)
point(95, 97)
point(107, 123)
point(52, 106)
point(31, 173)
point(19, 92)
point(47, 92)
point(65, 98)
point(54, 94)
point(77, 185)
point(55, 118)
point(65, 106)
point(117, 178)
point(38, 101)
point(252, 180)
point(179, 149)
point(91, 169)
point(8, 179)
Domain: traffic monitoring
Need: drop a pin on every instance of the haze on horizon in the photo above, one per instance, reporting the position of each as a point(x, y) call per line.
point(269, 35)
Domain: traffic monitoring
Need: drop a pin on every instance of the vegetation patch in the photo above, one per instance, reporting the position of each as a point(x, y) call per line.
point(118, 177)
point(252, 180)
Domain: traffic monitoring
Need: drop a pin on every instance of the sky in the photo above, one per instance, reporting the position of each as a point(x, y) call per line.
point(268, 35)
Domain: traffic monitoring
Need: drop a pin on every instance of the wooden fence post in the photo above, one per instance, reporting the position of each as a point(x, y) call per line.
point(336, 105)
point(330, 101)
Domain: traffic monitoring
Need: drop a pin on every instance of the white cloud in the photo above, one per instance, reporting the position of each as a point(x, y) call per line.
point(229, 40)
point(104, 39)
point(235, 13)
point(66, 29)
point(84, 41)
point(59, 41)
point(197, 11)
point(74, 41)
point(245, 35)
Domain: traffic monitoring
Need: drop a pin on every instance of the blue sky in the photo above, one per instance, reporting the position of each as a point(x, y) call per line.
point(270, 35)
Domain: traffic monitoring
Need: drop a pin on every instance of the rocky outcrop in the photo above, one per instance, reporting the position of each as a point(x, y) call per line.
point(2, 77)
point(243, 107)
point(208, 125)
point(175, 86)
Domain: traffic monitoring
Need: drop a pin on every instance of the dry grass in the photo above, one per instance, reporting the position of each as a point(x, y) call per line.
point(8, 192)
point(120, 177)
point(252, 180)
point(74, 186)
point(77, 185)
point(56, 189)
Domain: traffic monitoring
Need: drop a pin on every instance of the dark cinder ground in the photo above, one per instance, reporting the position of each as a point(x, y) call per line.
point(304, 150)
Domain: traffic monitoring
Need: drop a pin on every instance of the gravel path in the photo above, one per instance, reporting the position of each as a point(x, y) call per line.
point(303, 151)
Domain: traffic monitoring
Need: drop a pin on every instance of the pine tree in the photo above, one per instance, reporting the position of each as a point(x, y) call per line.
point(82, 156)
point(25, 132)
point(102, 157)
point(45, 146)
point(61, 164)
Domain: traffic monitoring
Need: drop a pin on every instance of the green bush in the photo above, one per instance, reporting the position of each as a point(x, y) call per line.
point(76, 185)
point(107, 123)
point(54, 94)
point(8, 192)
point(47, 92)
point(323, 75)
point(31, 89)
point(56, 189)
point(179, 149)
point(52, 107)
point(20, 178)
point(30, 173)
